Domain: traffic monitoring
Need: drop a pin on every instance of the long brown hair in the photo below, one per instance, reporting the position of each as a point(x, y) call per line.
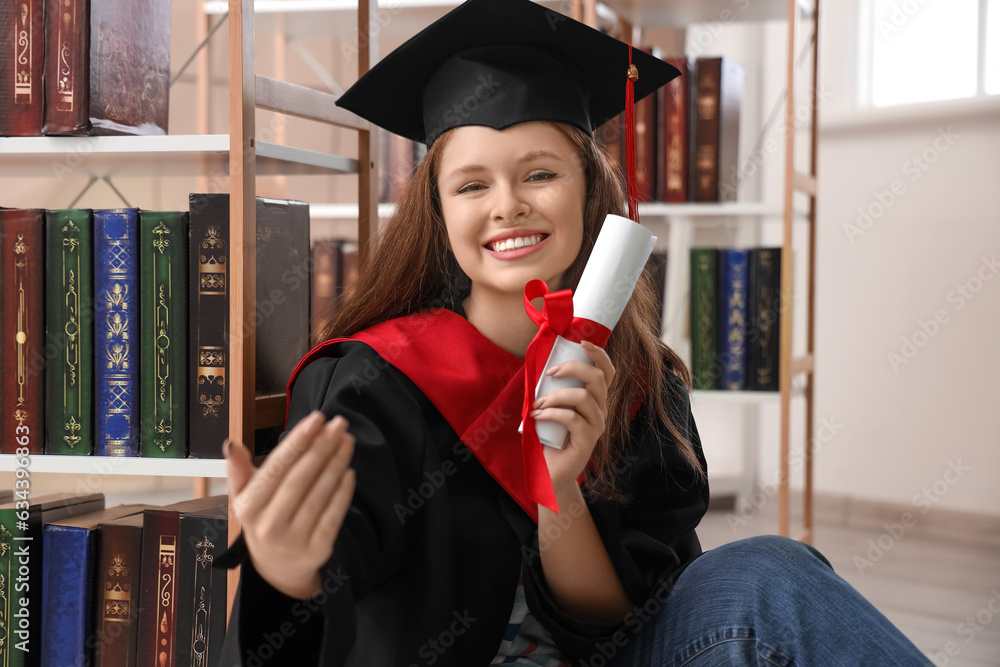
point(411, 268)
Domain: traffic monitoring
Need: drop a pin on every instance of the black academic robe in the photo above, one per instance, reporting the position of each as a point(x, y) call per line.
point(425, 567)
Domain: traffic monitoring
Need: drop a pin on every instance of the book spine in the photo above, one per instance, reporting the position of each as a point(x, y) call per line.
point(735, 275)
point(116, 332)
point(764, 312)
point(158, 599)
point(117, 610)
point(163, 281)
point(704, 318)
point(67, 569)
point(21, 68)
point(674, 137)
point(208, 325)
point(730, 97)
point(201, 613)
point(22, 330)
point(645, 114)
point(705, 165)
point(129, 67)
point(69, 324)
point(67, 86)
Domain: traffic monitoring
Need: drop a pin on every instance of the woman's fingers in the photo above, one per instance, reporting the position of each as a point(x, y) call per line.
point(304, 517)
point(579, 399)
point(269, 478)
point(309, 464)
point(239, 466)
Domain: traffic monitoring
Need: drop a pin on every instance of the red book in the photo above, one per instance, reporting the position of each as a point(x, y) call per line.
point(21, 54)
point(645, 115)
point(67, 93)
point(674, 144)
point(22, 332)
point(716, 121)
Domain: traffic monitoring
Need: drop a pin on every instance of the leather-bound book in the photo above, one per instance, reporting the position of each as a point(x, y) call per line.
point(21, 557)
point(158, 597)
point(22, 330)
point(116, 332)
point(21, 66)
point(116, 604)
point(764, 320)
point(674, 136)
point(69, 577)
point(201, 602)
point(69, 331)
point(129, 66)
point(716, 118)
point(282, 319)
point(208, 324)
point(67, 88)
point(733, 284)
point(705, 367)
point(646, 118)
point(163, 254)
point(326, 281)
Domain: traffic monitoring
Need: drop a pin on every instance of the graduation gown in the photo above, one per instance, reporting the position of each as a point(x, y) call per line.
point(425, 567)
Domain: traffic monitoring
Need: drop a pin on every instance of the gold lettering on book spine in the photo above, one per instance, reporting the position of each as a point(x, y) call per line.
point(163, 408)
point(21, 337)
point(24, 33)
point(71, 307)
point(202, 602)
point(165, 597)
point(211, 368)
point(66, 70)
point(118, 591)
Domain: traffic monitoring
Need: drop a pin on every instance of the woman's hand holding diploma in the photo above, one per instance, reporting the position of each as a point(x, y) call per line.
point(292, 507)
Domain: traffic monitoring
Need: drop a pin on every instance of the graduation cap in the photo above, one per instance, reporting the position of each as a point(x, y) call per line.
point(501, 62)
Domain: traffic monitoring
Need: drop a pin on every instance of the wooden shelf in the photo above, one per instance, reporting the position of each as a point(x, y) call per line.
point(726, 397)
point(115, 465)
point(163, 155)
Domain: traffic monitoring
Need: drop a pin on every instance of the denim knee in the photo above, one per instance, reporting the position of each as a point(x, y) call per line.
point(774, 550)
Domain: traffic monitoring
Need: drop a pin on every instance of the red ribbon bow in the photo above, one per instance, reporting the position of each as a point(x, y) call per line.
point(555, 319)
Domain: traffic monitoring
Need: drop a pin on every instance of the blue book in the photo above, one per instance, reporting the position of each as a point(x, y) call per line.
point(69, 562)
point(734, 285)
point(116, 331)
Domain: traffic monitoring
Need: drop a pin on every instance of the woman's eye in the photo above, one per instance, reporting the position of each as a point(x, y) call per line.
point(541, 176)
point(471, 187)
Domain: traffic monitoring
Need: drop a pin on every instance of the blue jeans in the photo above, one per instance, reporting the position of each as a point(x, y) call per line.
point(761, 601)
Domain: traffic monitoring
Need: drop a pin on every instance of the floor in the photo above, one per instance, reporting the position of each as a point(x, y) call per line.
point(943, 594)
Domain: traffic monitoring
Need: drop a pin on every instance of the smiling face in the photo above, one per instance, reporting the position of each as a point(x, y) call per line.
point(512, 202)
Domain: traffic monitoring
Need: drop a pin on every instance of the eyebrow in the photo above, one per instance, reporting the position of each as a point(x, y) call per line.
point(524, 157)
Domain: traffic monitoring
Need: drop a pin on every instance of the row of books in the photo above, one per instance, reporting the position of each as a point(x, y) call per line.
point(118, 587)
point(78, 67)
point(115, 331)
point(686, 133)
point(736, 316)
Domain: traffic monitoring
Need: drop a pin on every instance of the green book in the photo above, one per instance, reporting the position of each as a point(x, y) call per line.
point(706, 367)
point(69, 325)
point(163, 280)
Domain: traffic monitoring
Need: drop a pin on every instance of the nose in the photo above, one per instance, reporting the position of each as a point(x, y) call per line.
point(508, 203)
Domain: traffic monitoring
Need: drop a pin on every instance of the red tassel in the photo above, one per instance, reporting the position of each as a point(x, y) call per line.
point(630, 181)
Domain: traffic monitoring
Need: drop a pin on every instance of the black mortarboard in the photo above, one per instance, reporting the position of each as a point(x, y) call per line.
point(497, 63)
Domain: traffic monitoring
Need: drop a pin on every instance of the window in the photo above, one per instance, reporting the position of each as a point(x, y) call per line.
point(928, 50)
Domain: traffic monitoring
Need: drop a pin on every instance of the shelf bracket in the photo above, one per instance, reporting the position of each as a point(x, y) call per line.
point(107, 179)
point(93, 179)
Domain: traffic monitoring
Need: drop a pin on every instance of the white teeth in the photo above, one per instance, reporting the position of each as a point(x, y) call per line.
point(515, 243)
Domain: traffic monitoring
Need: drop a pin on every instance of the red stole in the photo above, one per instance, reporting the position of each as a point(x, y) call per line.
point(477, 386)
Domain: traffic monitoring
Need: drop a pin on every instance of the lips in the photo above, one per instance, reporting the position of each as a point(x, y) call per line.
point(513, 245)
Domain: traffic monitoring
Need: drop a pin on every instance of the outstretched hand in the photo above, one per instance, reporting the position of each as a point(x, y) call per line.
point(292, 507)
point(583, 411)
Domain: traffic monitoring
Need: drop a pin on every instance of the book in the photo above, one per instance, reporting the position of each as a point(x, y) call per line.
point(129, 66)
point(281, 319)
point(21, 558)
point(645, 114)
point(67, 67)
point(69, 327)
point(733, 283)
point(21, 68)
point(705, 367)
point(208, 324)
point(163, 255)
point(69, 576)
point(201, 606)
point(157, 637)
point(116, 605)
point(715, 117)
point(674, 135)
point(116, 332)
point(22, 330)
point(764, 319)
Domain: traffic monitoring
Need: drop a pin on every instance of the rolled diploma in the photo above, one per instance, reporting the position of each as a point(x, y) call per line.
point(620, 253)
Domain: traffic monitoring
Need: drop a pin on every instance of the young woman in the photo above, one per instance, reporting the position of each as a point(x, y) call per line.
point(400, 532)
